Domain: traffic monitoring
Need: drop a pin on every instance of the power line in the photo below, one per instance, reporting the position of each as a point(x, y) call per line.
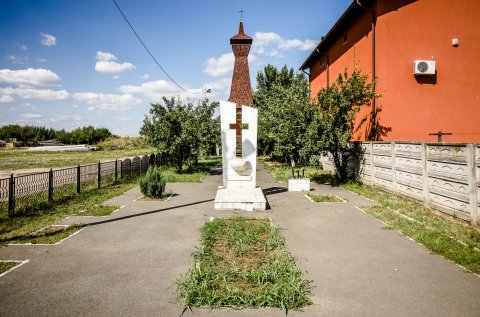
point(148, 51)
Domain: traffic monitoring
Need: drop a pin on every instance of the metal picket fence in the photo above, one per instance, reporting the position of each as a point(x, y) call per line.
point(18, 193)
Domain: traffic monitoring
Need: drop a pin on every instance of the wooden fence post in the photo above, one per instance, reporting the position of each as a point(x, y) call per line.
point(50, 185)
point(121, 169)
point(78, 179)
point(11, 195)
point(99, 174)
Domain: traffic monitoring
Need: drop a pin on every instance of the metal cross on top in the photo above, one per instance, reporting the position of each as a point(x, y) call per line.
point(241, 14)
point(238, 126)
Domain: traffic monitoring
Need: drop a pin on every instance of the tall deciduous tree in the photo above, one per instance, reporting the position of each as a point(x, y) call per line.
point(284, 114)
point(179, 131)
point(337, 107)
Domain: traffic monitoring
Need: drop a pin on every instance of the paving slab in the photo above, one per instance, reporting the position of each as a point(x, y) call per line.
point(126, 264)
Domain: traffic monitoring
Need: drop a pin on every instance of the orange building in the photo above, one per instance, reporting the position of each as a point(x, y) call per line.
point(386, 37)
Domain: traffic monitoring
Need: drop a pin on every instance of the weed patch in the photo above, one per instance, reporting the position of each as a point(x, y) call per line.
point(243, 263)
point(325, 198)
point(98, 210)
point(5, 266)
point(48, 235)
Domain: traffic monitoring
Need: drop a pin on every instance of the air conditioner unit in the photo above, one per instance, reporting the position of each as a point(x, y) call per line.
point(423, 67)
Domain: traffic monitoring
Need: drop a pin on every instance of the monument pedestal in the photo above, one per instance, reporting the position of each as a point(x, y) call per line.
point(246, 199)
point(298, 184)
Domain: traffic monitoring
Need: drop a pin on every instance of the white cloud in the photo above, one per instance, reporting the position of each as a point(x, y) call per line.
point(107, 63)
point(6, 99)
point(112, 67)
point(41, 60)
point(38, 94)
point(42, 94)
point(155, 90)
point(74, 106)
point(18, 60)
point(31, 115)
point(223, 65)
point(266, 38)
point(29, 77)
point(64, 118)
point(295, 43)
point(105, 56)
point(23, 47)
point(220, 89)
point(146, 76)
point(48, 39)
point(107, 101)
point(220, 66)
point(273, 41)
point(55, 121)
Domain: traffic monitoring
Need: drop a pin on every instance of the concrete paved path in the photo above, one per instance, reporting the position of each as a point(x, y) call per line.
point(126, 264)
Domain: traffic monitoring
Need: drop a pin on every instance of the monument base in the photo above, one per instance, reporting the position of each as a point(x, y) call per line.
point(299, 184)
point(246, 199)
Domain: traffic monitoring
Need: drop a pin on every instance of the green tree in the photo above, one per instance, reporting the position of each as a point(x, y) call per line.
point(337, 107)
point(284, 114)
point(208, 127)
point(32, 134)
point(179, 131)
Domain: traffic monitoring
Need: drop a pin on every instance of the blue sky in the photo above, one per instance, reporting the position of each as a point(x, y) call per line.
point(67, 64)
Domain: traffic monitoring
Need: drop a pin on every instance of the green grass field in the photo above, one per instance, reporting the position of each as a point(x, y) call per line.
point(14, 159)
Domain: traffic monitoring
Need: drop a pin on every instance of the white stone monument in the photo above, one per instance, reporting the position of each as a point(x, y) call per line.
point(239, 159)
point(239, 137)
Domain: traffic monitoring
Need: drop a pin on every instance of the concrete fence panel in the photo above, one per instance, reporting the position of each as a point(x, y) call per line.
point(443, 176)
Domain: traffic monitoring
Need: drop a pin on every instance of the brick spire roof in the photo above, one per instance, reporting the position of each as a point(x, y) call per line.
point(241, 90)
point(241, 37)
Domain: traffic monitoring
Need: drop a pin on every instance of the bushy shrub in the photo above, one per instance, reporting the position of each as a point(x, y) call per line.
point(123, 143)
point(153, 184)
point(315, 161)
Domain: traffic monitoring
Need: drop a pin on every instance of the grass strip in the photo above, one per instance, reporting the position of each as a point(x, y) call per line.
point(282, 172)
point(26, 223)
point(99, 210)
point(325, 198)
point(454, 239)
point(5, 266)
point(48, 235)
point(243, 263)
